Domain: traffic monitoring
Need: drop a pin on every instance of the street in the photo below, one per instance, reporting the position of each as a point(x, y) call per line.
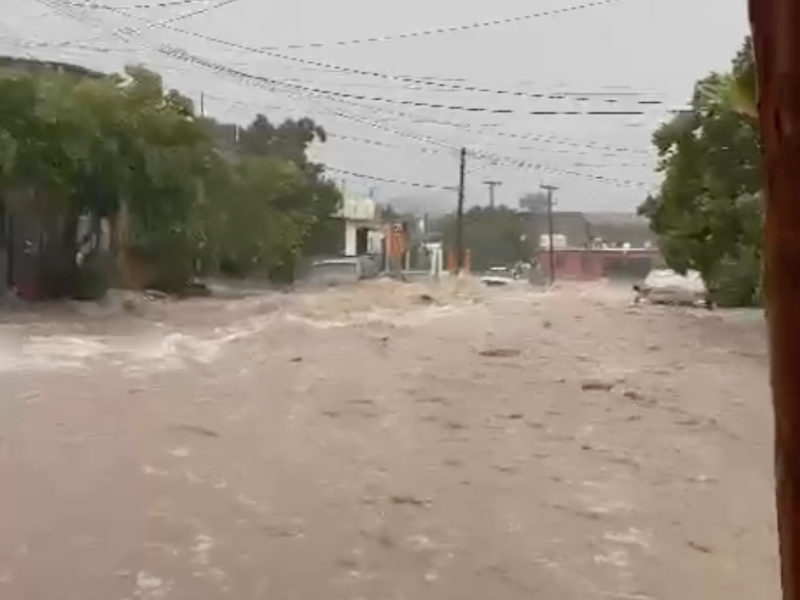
point(388, 442)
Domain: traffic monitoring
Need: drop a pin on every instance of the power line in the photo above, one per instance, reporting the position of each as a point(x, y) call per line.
point(424, 81)
point(412, 34)
point(439, 84)
point(507, 161)
point(181, 54)
point(443, 84)
point(169, 4)
point(494, 158)
point(497, 159)
point(275, 86)
point(586, 145)
point(128, 30)
point(450, 29)
point(461, 126)
point(610, 97)
point(428, 186)
point(401, 78)
point(391, 77)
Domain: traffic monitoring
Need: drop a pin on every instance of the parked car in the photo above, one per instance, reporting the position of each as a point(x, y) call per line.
point(665, 286)
point(498, 276)
point(344, 270)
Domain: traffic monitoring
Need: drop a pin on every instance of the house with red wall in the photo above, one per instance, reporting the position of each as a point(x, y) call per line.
point(598, 263)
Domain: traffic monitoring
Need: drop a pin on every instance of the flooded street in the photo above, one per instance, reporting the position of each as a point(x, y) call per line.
point(390, 442)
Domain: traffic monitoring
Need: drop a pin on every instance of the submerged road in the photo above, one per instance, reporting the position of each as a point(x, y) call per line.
point(387, 442)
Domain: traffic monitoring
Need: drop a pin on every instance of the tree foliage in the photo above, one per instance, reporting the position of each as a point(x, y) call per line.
point(707, 212)
point(74, 144)
point(494, 236)
point(533, 202)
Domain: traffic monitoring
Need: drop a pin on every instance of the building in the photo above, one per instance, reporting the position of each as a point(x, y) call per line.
point(573, 226)
point(362, 229)
point(584, 264)
point(582, 230)
point(616, 229)
point(593, 245)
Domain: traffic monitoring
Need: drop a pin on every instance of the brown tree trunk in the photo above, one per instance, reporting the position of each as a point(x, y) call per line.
point(776, 36)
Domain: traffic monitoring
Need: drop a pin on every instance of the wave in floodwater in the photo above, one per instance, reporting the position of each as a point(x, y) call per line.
point(52, 353)
point(168, 350)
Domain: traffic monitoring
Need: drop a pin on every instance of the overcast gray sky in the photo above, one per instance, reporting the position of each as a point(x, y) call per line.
point(633, 50)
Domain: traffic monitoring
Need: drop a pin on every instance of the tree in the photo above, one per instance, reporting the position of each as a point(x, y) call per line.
point(303, 202)
point(736, 90)
point(708, 208)
point(72, 144)
point(533, 202)
point(494, 236)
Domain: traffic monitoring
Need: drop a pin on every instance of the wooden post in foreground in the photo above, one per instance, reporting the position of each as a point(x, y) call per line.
point(776, 37)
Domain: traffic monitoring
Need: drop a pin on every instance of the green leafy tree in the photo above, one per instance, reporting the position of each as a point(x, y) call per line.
point(74, 143)
point(707, 211)
point(494, 236)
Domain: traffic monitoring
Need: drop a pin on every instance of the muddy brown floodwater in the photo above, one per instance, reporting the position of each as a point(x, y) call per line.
point(382, 444)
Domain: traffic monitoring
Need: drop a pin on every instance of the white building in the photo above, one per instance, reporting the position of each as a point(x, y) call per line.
point(363, 233)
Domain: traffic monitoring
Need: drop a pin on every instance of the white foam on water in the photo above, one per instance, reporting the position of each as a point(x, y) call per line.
point(170, 350)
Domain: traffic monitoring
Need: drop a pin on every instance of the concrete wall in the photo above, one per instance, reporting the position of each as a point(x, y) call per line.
point(350, 230)
point(374, 238)
point(588, 264)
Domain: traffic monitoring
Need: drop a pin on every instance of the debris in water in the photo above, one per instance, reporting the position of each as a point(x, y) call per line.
point(408, 500)
point(700, 547)
point(597, 385)
point(634, 395)
point(500, 352)
point(197, 430)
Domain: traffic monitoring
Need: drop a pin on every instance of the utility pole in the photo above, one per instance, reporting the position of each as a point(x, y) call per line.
point(492, 185)
point(462, 170)
point(551, 255)
point(776, 27)
point(202, 104)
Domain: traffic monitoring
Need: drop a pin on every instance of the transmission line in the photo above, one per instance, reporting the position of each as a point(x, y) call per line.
point(412, 137)
point(401, 78)
point(275, 85)
point(452, 28)
point(501, 160)
point(428, 186)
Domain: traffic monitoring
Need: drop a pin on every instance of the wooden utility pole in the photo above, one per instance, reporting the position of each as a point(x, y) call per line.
point(202, 104)
point(492, 185)
point(776, 39)
point(462, 170)
point(551, 251)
